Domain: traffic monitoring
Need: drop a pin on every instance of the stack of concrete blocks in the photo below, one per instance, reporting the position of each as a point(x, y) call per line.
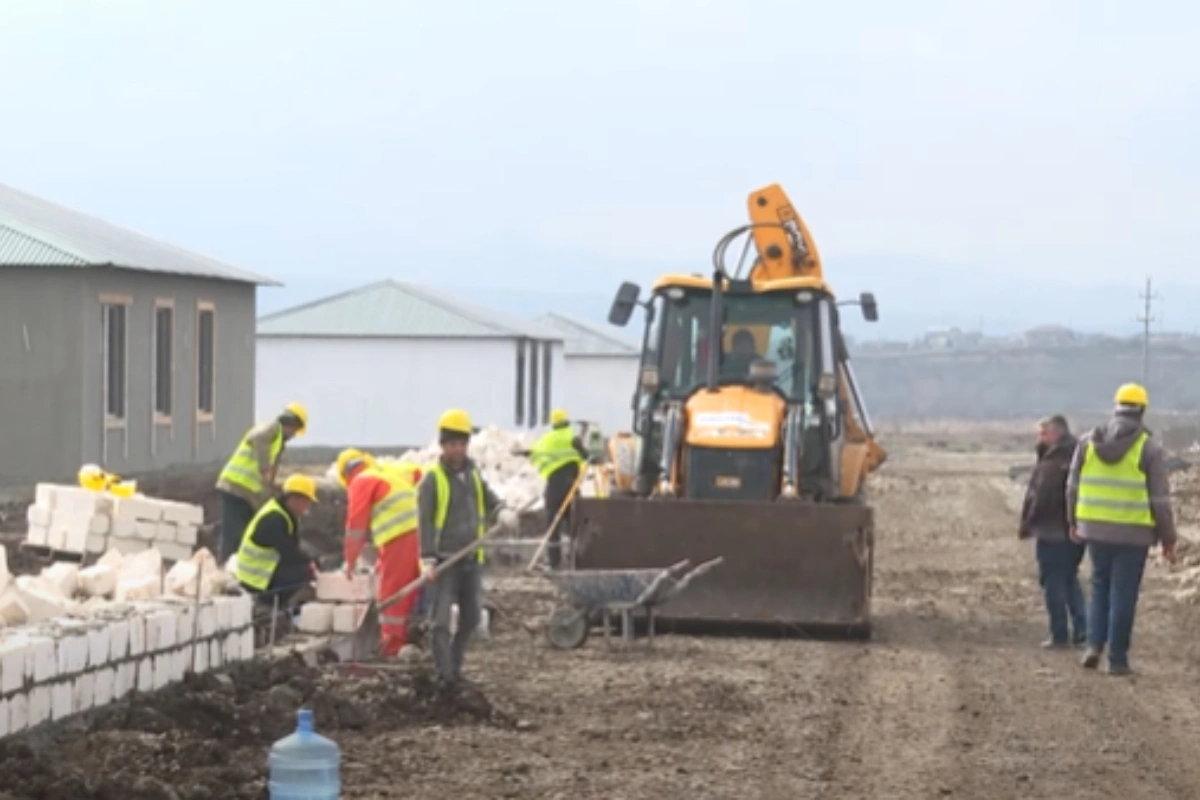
point(66, 666)
point(70, 519)
point(340, 604)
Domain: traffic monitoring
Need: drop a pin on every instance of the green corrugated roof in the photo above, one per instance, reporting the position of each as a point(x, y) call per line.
point(398, 310)
point(38, 233)
point(584, 339)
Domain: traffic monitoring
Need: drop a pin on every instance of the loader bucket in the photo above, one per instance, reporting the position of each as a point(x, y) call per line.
point(786, 565)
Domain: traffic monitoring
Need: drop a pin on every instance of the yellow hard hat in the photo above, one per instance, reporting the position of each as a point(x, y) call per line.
point(1132, 394)
point(302, 485)
point(455, 420)
point(92, 478)
point(559, 417)
point(300, 413)
point(348, 459)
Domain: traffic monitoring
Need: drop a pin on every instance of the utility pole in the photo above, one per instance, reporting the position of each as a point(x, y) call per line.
point(1146, 318)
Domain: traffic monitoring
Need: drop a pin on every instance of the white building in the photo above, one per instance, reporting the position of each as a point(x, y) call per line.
point(602, 373)
point(376, 366)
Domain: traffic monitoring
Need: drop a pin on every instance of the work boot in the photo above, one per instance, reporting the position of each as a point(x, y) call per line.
point(1055, 644)
point(1080, 638)
point(1091, 659)
point(1119, 670)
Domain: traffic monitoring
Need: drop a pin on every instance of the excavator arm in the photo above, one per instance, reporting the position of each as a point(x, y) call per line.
point(785, 247)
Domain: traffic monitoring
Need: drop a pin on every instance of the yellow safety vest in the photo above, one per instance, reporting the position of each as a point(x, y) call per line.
point(256, 565)
point(242, 469)
point(396, 514)
point(1114, 493)
point(554, 450)
point(443, 504)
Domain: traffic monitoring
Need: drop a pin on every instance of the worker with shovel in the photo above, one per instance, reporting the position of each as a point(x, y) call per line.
point(559, 457)
point(383, 502)
point(454, 503)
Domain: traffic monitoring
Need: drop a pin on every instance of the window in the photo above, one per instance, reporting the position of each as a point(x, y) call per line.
point(546, 353)
point(114, 347)
point(520, 409)
point(206, 321)
point(533, 385)
point(164, 359)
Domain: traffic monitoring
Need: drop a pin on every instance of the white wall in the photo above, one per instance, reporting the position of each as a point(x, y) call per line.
point(390, 392)
point(600, 389)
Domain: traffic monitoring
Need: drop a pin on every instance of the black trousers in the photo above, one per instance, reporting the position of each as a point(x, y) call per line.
point(289, 578)
point(236, 514)
point(557, 488)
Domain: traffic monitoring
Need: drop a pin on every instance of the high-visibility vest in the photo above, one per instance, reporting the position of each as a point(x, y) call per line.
point(1115, 493)
point(555, 450)
point(256, 565)
point(242, 469)
point(396, 514)
point(442, 482)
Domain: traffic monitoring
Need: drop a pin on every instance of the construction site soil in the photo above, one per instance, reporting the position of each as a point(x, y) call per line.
point(953, 697)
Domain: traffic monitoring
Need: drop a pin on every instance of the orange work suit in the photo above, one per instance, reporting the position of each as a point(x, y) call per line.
point(399, 561)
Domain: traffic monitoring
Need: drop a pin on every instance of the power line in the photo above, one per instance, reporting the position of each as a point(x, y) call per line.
point(1148, 297)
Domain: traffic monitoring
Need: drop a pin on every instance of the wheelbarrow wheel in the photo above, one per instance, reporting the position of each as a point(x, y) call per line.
point(568, 628)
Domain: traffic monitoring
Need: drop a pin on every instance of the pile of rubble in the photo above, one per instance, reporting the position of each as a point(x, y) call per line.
point(500, 456)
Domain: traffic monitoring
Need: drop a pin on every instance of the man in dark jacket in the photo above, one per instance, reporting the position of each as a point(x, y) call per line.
point(1119, 503)
point(271, 564)
point(1044, 518)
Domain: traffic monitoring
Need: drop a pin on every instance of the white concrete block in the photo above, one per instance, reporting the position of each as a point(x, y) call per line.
point(187, 534)
point(335, 587)
point(185, 624)
point(41, 602)
point(247, 637)
point(72, 651)
point(18, 712)
point(15, 662)
point(127, 546)
point(105, 683)
point(164, 667)
point(207, 625)
point(97, 543)
point(137, 635)
point(121, 528)
point(62, 700)
point(224, 609)
point(142, 509)
point(232, 648)
point(243, 611)
point(174, 551)
point(38, 515)
point(56, 538)
point(125, 679)
point(145, 675)
point(182, 513)
point(160, 630)
point(99, 645)
point(12, 610)
point(39, 705)
point(64, 576)
point(98, 581)
point(181, 662)
point(146, 530)
point(316, 618)
point(85, 692)
point(43, 495)
point(216, 653)
point(42, 659)
point(346, 616)
point(165, 532)
point(38, 535)
point(80, 501)
point(144, 587)
point(200, 651)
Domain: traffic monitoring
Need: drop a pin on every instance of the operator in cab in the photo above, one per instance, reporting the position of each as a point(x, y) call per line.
point(742, 353)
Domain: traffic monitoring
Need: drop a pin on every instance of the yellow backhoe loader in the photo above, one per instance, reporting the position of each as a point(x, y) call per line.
point(750, 440)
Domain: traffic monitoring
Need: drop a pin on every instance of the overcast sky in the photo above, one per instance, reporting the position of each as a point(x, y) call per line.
point(394, 137)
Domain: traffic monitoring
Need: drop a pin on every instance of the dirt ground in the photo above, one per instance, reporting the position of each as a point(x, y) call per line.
point(952, 698)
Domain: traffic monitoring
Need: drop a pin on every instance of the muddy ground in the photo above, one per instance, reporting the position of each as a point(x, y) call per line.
point(952, 698)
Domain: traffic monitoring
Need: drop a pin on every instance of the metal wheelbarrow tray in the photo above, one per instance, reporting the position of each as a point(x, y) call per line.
point(603, 592)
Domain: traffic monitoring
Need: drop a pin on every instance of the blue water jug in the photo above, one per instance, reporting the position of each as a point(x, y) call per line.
point(305, 765)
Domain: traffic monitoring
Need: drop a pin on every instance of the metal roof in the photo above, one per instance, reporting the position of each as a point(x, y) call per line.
point(38, 233)
point(392, 309)
point(584, 339)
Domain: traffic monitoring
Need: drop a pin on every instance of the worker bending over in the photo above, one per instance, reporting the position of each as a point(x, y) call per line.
point(270, 562)
point(1119, 502)
point(558, 456)
point(382, 502)
point(248, 479)
point(454, 503)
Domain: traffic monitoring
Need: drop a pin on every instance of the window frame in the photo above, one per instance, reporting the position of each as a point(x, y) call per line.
point(108, 301)
point(203, 415)
point(161, 304)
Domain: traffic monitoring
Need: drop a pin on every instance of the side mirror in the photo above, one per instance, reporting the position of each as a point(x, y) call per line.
point(623, 304)
point(869, 308)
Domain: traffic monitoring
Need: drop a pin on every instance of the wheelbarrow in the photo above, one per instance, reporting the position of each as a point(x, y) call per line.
point(601, 593)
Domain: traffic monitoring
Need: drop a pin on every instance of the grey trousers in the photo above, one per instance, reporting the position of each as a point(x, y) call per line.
point(461, 584)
